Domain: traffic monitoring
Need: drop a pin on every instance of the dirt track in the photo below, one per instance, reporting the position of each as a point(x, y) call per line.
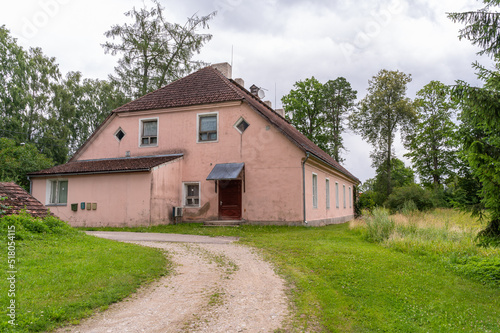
point(216, 287)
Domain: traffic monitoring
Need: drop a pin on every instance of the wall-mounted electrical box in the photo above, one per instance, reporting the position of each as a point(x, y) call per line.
point(94, 205)
point(89, 205)
point(74, 207)
point(82, 205)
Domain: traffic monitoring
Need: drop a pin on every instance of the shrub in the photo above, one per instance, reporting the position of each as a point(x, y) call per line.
point(423, 199)
point(379, 225)
point(28, 226)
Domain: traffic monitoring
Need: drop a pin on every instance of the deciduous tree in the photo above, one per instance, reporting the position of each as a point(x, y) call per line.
point(383, 112)
point(155, 52)
point(431, 143)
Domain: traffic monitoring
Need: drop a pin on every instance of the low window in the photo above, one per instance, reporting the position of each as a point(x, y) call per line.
point(337, 195)
point(344, 195)
point(350, 197)
point(192, 194)
point(149, 132)
point(241, 125)
point(327, 185)
point(315, 190)
point(207, 127)
point(58, 192)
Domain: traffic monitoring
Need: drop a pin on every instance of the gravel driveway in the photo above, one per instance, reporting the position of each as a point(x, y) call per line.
point(218, 286)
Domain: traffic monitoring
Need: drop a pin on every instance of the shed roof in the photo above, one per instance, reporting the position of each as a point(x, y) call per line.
point(225, 171)
point(18, 199)
point(126, 164)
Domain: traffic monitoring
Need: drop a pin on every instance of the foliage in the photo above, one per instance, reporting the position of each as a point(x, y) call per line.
point(431, 145)
point(65, 275)
point(3, 206)
point(155, 52)
point(379, 225)
point(376, 188)
point(421, 198)
point(319, 110)
point(18, 160)
point(481, 109)
point(40, 106)
point(383, 111)
point(338, 102)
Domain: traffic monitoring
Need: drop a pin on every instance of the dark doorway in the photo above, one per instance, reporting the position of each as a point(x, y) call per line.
point(230, 199)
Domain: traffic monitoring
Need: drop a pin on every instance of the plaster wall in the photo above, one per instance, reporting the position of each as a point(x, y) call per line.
point(122, 199)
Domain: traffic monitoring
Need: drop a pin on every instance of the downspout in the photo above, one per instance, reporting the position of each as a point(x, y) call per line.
point(31, 184)
point(304, 185)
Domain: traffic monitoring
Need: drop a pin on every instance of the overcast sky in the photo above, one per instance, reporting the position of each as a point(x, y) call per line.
point(275, 43)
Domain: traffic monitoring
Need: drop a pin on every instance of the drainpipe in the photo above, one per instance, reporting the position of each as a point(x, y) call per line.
point(31, 183)
point(304, 185)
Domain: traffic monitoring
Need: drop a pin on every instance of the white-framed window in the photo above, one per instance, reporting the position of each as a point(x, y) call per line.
point(350, 197)
point(192, 194)
point(57, 191)
point(344, 195)
point(315, 190)
point(327, 186)
point(148, 132)
point(208, 125)
point(337, 195)
point(120, 134)
point(241, 125)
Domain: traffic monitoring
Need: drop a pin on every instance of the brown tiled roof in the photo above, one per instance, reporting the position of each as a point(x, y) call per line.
point(18, 199)
point(127, 164)
point(208, 85)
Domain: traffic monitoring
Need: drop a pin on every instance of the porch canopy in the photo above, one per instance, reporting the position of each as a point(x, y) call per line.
point(226, 171)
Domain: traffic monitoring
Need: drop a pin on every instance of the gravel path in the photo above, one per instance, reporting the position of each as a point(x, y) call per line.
point(216, 287)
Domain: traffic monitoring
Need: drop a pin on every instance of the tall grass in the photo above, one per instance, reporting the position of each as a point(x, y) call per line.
point(445, 235)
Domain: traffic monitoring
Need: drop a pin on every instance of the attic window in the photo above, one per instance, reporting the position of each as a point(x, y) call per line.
point(241, 125)
point(119, 134)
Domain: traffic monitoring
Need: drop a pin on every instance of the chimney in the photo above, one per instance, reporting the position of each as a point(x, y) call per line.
point(254, 90)
point(240, 82)
point(269, 103)
point(281, 112)
point(224, 68)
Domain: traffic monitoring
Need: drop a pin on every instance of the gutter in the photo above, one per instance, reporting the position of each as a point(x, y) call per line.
point(304, 185)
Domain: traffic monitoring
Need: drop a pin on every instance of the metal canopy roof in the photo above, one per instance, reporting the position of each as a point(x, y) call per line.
point(226, 171)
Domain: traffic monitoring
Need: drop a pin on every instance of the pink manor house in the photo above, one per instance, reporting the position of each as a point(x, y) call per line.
point(200, 149)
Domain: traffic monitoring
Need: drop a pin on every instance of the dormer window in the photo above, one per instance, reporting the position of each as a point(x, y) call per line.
point(149, 132)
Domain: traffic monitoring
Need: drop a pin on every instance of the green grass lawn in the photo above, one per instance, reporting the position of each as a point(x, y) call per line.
point(340, 282)
point(65, 275)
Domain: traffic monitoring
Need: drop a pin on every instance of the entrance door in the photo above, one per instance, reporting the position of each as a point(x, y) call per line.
point(230, 199)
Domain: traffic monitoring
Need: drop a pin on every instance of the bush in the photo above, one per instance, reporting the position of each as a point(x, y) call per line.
point(379, 225)
point(422, 199)
point(28, 226)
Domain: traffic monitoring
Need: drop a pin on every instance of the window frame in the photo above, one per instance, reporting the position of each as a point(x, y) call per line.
point(185, 196)
point(350, 197)
point(327, 190)
point(198, 124)
point(238, 122)
point(49, 193)
point(141, 132)
point(116, 134)
point(315, 190)
point(343, 195)
point(337, 203)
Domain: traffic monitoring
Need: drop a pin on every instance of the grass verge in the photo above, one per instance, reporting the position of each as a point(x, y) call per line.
point(63, 275)
point(340, 282)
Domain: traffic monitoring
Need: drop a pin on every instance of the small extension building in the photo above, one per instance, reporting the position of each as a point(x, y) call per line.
point(204, 146)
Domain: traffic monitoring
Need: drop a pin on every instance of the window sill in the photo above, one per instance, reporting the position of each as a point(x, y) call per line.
point(208, 141)
point(147, 146)
point(58, 205)
point(191, 206)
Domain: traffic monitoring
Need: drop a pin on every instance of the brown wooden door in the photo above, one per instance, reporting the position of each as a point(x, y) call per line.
point(230, 199)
